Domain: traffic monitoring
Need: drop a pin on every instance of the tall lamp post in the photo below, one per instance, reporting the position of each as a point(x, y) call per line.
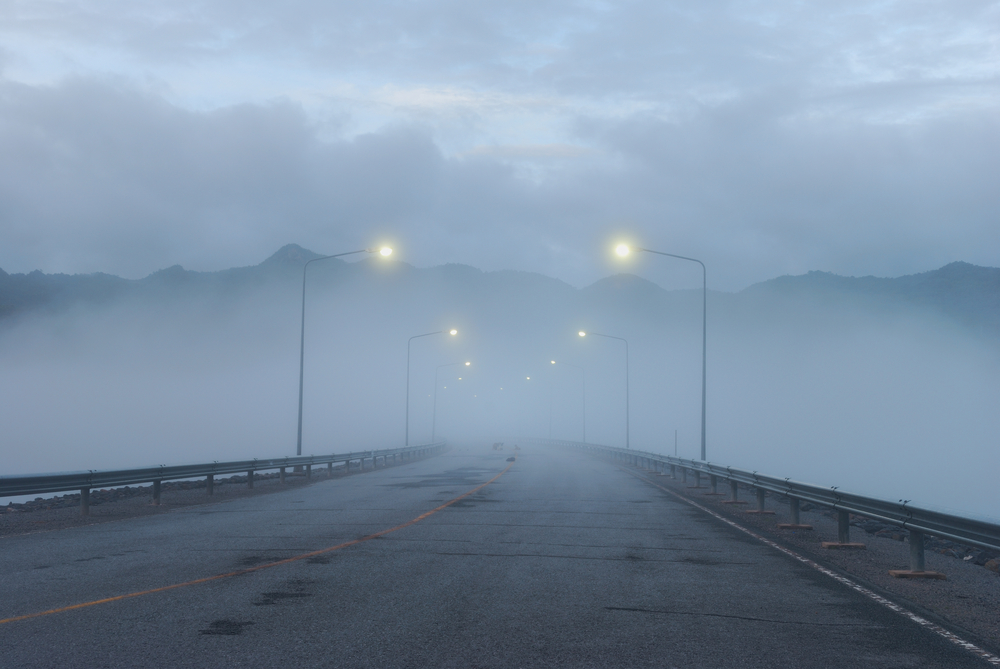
point(627, 421)
point(385, 251)
point(623, 250)
point(434, 413)
point(584, 371)
point(452, 332)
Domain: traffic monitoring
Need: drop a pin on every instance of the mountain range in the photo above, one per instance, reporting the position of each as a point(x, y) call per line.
point(968, 294)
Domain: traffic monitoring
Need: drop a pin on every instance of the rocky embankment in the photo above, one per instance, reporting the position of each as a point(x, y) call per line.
point(990, 559)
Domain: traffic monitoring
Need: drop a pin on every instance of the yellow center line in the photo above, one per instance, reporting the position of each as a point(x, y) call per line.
point(248, 570)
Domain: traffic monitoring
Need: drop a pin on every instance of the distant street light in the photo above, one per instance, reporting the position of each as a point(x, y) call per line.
point(584, 371)
point(434, 413)
point(598, 334)
point(623, 250)
point(385, 251)
point(452, 332)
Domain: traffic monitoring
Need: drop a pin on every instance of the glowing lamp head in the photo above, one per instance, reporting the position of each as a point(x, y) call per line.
point(528, 377)
point(467, 364)
point(582, 333)
point(385, 251)
point(622, 250)
point(553, 362)
point(453, 332)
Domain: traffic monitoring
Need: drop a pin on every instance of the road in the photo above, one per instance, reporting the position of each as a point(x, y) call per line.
point(563, 560)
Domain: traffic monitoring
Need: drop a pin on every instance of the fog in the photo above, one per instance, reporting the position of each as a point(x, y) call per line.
point(878, 396)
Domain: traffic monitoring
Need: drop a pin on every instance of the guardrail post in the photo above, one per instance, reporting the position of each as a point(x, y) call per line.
point(329, 469)
point(761, 496)
point(309, 471)
point(843, 533)
point(156, 493)
point(715, 484)
point(281, 475)
point(673, 471)
point(84, 501)
point(684, 474)
point(697, 479)
point(917, 567)
point(210, 484)
point(796, 524)
point(916, 551)
point(250, 479)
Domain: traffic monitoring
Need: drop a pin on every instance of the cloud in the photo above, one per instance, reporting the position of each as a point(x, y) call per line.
point(105, 176)
point(765, 137)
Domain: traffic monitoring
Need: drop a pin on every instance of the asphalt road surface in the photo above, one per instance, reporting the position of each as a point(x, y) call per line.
point(562, 561)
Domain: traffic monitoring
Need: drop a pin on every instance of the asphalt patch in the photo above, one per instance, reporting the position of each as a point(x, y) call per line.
point(319, 559)
point(226, 627)
point(254, 560)
point(272, 598)
point(455, 477)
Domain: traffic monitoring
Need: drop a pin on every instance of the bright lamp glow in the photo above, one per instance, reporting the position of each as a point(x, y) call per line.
point(622, 250)
point(582, 333)
point(529, 378)
point(553, 362)
point(467, 364)
point(453, 332)
point(385, 251)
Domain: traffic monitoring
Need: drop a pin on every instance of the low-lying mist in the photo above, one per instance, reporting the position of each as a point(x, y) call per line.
point(878, 396)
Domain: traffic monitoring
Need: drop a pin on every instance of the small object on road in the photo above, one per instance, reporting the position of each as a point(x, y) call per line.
point(511, 459)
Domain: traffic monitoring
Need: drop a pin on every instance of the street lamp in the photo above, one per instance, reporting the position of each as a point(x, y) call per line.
point(434, 413)
point(385, 252)
point(598, 334)
point(623, 250)
point(452, 332)
point(584, 371)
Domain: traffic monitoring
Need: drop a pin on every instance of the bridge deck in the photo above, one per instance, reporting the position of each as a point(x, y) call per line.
point(561, 561)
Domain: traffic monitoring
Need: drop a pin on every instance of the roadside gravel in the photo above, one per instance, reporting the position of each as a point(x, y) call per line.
point(968, 601)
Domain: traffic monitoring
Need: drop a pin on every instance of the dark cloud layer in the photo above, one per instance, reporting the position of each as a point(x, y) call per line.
point(104, 176)
point(763, 137)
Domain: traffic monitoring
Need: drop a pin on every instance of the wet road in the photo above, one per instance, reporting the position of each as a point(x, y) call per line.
point(561, 561)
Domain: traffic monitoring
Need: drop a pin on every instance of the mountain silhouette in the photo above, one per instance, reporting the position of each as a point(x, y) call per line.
point(966, 293)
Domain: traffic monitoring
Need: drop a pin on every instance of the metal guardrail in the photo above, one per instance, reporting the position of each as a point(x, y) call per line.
point(84, 481)
point(918, 521)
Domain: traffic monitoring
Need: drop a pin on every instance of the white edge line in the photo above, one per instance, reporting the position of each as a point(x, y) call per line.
point(923, 622)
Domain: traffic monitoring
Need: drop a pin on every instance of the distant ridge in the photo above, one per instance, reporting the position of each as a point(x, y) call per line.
point(967, 293)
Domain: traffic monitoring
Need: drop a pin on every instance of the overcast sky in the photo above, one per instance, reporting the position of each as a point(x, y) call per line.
point(764, 138)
